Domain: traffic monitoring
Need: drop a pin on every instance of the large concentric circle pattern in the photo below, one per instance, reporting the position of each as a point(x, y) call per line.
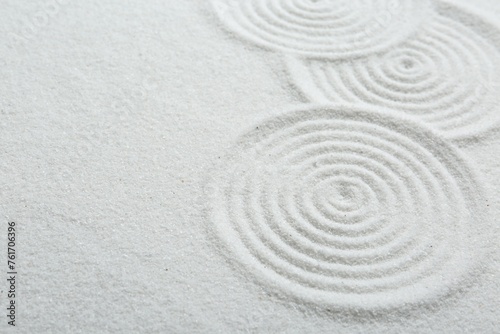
point(350, 208)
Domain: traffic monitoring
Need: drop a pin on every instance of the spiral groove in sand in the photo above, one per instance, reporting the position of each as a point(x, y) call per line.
point(332, 29)
point(447, 76)
point(348, 208)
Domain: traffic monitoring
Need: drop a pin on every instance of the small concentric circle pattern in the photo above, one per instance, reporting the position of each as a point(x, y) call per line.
point(348, 207)
point(446, 75)
point(332, 29)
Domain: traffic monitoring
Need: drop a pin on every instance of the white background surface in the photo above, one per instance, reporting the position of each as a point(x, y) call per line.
point(111, 113)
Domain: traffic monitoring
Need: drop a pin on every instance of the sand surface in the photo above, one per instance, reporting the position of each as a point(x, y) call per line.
point(222, 167)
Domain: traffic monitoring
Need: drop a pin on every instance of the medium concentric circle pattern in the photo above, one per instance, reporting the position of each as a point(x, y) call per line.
point(349, 208)
point(447, 75)
point(332, 29)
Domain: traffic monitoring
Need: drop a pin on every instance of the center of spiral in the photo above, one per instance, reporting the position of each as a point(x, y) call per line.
point(408, 64)
point(344, 196)
point(345, 193)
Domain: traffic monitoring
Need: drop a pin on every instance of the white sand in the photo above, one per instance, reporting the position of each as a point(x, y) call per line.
point(169, 175)
point(352, 209)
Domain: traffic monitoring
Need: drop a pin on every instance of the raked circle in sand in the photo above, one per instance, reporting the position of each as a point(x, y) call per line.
point(349, 208)
point(331, 29)
point(448, 75)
